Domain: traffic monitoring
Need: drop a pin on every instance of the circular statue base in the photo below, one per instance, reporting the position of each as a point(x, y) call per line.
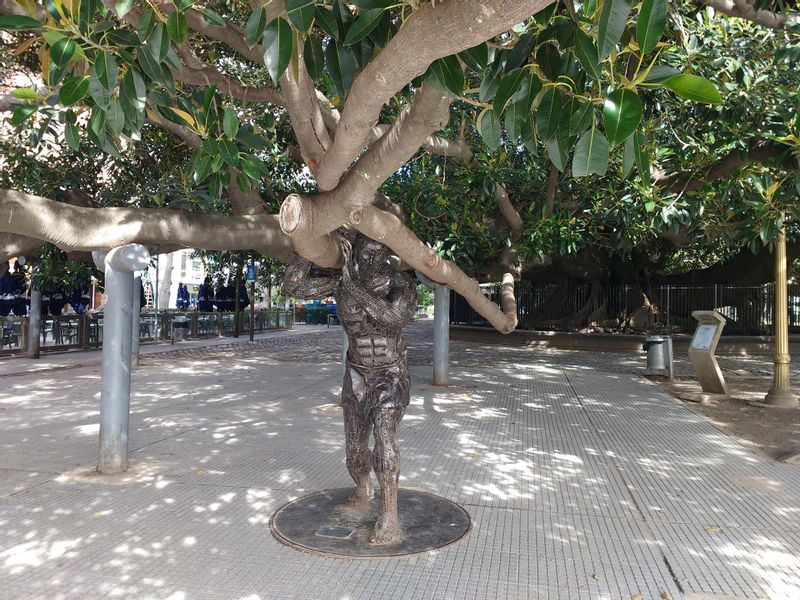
point(320, 523)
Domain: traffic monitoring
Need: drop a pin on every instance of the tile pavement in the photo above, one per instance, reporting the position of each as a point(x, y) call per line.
point(583, 482)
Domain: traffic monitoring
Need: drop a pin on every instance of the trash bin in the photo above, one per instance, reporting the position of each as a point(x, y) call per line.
point(659, 354)
point(180, 329)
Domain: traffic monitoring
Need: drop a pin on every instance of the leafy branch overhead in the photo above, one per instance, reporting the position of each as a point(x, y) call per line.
point(354, 89)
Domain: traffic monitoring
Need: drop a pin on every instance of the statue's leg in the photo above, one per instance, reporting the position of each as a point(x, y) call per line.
point(357, 427)
point(359, 458)
point(386, 457)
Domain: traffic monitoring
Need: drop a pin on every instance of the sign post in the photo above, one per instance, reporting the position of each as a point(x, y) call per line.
point(252, 272)
point(701, 353)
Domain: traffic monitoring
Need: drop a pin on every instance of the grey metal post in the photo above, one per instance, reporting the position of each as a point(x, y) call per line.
point(119, 265)
point(345, 347)
point(441, 329)
point(135, 318)
point(35, 323)
point(441, 334)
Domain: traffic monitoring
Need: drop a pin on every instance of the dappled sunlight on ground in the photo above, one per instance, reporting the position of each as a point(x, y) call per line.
point(581, 484)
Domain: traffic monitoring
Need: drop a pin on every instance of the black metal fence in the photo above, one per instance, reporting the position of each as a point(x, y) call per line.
point(578, 306)
point(83, 332)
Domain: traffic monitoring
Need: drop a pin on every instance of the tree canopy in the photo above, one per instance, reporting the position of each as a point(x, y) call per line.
point(517, 136)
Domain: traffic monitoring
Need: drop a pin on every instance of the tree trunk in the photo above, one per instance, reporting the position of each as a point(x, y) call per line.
point(165, 285)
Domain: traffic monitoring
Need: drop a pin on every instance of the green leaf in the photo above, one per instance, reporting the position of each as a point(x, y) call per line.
point(641, 157)
point(134, 90)
point(277, 47)
point(520, 53)
point(650, 24)
point(149, 65)
point(694, 87)
point(253, 166)
point(489, 128)
point(448, 74)
point(556, 152)
point(115, 118)
point(73, 137)
point(62, 51)
point(314, 57)
point(622, 112)
point(177, 28)
point(327, 22)
point(508, 87)
point(215, 186)
point(591, 154)
point(549, 61)
point(581, 119)
point(229, 151)
point(548, 113)
point(123, 7)
point(147, 24)
point(255, 26)
point(300, 13)
point(105, 66)
point(586, 52)
point(158, 43)
point(476, 58)
point(660, 73)
point(490, 83)
point(212, 18)
point(230, 123)
point(341, 67)
point(343, 16)
point(628, 156)
point(24, 94)
point(97, 125)
point(251, 139)
point(612, 24)
point(529, 136)
point(361, 27)
point(21, 113)
point(74, 90)
point(18, 22)
point(201, 167)
point(515, 116)
point(100, 94)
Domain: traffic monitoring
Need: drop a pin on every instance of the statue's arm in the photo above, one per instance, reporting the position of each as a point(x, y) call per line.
point(303, 280)
point(398, 308)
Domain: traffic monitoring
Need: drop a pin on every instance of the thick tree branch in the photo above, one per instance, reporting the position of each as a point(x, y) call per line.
point(391, 231)
point(455, 25)
point(309, 218)
point(301, 101)
point(508, 211)
point(759, 151)
point(78, 228)
point(746, 9)
point(191, 139)
point(245, 203)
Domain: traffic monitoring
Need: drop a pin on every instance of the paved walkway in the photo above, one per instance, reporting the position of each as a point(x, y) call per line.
point(582, 483)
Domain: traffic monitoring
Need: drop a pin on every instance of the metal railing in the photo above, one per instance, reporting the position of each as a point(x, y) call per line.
point(616, 307)
point(83, 332)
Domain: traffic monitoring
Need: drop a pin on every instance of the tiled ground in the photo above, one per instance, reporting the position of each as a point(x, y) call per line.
point(582, 483)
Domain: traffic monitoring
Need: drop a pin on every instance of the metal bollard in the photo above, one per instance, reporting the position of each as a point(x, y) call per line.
point(119, 265)
point(136, 317)
point(441, 334)
point(35, 323)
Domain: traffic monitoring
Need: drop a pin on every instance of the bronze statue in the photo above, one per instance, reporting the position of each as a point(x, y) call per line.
point(374, 303)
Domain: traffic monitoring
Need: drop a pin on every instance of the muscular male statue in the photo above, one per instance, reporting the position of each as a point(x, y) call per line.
point(373, 303)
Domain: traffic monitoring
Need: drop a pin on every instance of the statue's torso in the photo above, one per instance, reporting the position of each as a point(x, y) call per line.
point(371, 344)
